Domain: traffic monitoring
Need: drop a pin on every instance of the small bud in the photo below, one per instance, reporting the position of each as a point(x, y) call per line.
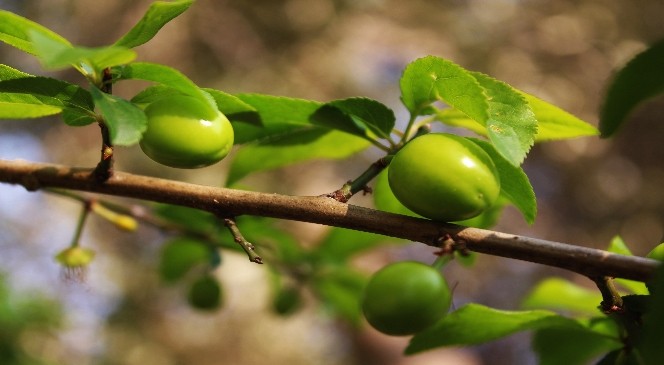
point(126, 222)
point(122, 221)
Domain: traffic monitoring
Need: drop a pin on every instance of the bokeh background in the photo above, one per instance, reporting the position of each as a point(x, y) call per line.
point(588, 190)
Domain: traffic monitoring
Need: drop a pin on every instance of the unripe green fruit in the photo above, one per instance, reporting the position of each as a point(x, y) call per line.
point(182, 132)
point(405, 298)
point(205, 293)
point(444, 177)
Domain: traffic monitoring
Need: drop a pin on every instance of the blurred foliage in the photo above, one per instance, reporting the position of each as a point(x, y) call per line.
point(28, 325)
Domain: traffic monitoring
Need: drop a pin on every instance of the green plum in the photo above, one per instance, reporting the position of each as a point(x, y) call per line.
point(406, 297)
point(183, 132)
point(444, 177)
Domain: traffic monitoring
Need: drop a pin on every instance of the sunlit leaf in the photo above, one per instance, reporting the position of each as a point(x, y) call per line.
point(55, 55)
point(561, 294)
point(158, 14)
point(430, 79)
point(166, 76)
point(15, 31)
point(553, 123)
point(26, 96)
point(511, 125)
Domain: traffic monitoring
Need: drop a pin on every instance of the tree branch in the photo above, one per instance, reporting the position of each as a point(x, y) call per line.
point(323, 210)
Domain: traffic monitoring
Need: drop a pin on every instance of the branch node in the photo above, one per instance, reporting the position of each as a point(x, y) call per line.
point(448, 245)
point(612, 302)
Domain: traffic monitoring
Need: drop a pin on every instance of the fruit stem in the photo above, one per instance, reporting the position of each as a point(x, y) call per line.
point(104, 169)
point(360, 183)
point(247, 246)
point(409, 126)
point(85, 211)
point(611, 299)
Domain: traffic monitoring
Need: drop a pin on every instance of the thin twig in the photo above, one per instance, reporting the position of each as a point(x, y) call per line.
point(322, 210)
point(360, 183)
point(247, 246)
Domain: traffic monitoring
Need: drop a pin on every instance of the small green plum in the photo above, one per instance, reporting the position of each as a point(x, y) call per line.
point(444, 177)
point(184, 132)
point(406, 297)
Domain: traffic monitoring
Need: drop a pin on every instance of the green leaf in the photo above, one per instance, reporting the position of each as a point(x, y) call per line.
point(341, 244)
point(234, 108)
point(285, 136)
point(166, 76)
point(55, 55)
point(277, 116)
point(561, 294)
point(641, 79)
point(618, 245)
point(10, 73)
point(554, 123)
point(179, 256)
point(15, 31)
point(430, 79)
point(506, 115)
point(340, 290)
point(514, 183)
point(26, 96)
point(650, 342)
point(158, 14)
point(22, 106)
point(125, 121)
point(511, 125)
point(473, 324)
point(362, 117)
point(574, 346)
point(293, 147)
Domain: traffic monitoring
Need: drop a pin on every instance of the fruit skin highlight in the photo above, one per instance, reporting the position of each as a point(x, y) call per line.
point(444, 177)
point(184, 132)
point(405, 298)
